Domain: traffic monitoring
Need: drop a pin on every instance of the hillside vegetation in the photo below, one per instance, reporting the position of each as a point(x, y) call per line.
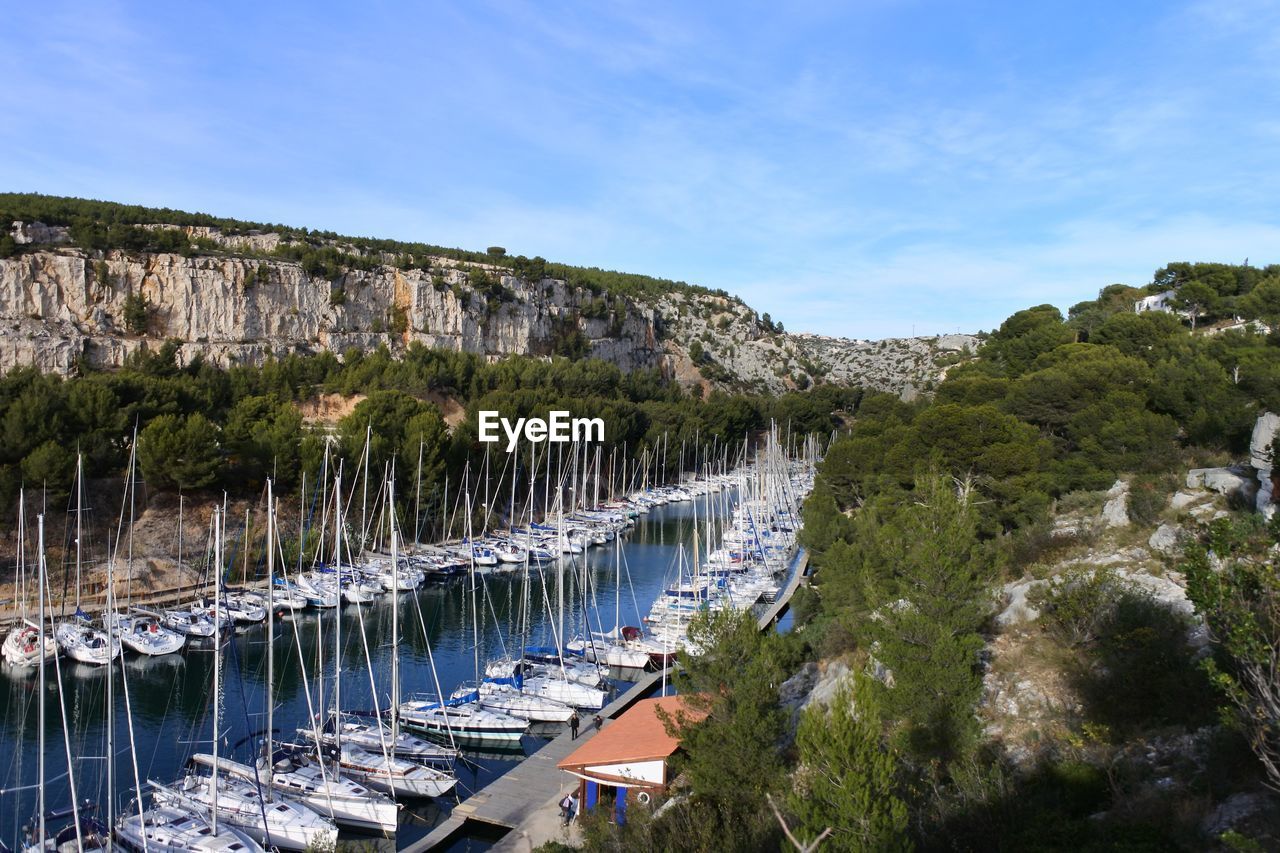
point(204, 428)
point(101, 225)
point(1165, 729)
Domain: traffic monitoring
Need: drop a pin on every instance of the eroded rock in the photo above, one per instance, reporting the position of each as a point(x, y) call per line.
point(1115, 512)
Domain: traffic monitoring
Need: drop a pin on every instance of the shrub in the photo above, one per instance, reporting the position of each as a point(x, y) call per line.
point(1141, 672)
point(137, 311)
point(1076, 604)
point(399, 320)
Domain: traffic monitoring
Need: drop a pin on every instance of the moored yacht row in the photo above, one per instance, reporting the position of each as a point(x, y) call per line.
point(348, 770)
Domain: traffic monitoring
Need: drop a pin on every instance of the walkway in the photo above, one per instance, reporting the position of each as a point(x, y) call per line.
point(525, 798)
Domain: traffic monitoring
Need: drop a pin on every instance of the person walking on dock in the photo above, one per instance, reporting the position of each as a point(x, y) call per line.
point(573, 725)
point(597, 722)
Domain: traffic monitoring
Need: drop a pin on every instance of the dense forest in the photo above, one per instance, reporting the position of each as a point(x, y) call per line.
point(102, 225)
point(921, 512)
point(201, 427)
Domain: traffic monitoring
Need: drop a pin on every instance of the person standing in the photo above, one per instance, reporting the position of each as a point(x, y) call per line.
point(566, 803)
point(573, 725)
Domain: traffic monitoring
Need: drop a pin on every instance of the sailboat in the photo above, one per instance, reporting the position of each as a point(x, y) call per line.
point(145, 634)
point(292, 773)
point(378, 769)
point(84, 833)
point(249, 807)
point(164, 828)
point(139, 630)
point(77, 638)
point(614, 649)
point(463, 718)
point(26, 646)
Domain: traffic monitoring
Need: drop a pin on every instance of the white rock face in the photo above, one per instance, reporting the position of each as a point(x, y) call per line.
point(59, 304)
point(1182, 500)
point(902, 365)
point(26, 233)
point(1018, 610)
point(1166, 589)
point(1165, 539)
point(1264, 433)
point(835, 676)
point(55, 309)
point(1224, 481)
point(1115, 512)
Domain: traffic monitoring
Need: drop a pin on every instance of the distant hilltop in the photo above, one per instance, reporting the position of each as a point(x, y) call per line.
point(91, 282)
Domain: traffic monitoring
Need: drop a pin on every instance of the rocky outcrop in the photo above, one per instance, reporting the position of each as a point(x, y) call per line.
point(1264, 434)
point(1165, 539)
point(905, 366)
point(1224, 481)
point(60, 306)
point(231, 301)
point(26, 233)
point(1115, 512)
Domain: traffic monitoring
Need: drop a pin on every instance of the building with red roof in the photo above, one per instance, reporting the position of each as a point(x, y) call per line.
point(627, 759)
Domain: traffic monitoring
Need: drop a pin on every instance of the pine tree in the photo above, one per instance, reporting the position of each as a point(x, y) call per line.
point(845, 778)
point(929, 608)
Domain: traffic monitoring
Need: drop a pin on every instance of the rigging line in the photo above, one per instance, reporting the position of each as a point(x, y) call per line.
point(244, 707)
point(435, 676)
point(312, 717)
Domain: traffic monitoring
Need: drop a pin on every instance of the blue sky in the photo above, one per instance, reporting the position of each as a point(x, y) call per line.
point(864, 169)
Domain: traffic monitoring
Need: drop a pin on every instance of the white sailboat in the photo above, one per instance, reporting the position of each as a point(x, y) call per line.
point(168, 829)
point(294, 774)
point(26, 646)
point(275, 822)
point(77, 638)
point(146, 635)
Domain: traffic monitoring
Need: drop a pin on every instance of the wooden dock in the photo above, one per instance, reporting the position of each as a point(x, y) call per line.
point(529, 790)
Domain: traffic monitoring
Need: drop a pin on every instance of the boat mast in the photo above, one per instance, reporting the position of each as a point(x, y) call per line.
point(364, 496)
point(110, 620)
point(395, 612)
point(218, 610)
point(124, 680)
point(271, 630)
point(22, 526)
point(417, 496)
point(475, 613)
point(337, 620)
point(79, 508)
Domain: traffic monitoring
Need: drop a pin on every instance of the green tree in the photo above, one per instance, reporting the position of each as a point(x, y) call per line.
point(52, 466)
point(264, 439)
point(928, 577)
point(845, 779)
point(1263, 302)
point(1241, 607)
point(1197, 299)
point(181, 453)
point(137, 311)
point(1013, 347)
point(731, 754)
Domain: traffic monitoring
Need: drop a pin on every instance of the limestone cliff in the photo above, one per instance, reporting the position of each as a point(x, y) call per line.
point(231, 301)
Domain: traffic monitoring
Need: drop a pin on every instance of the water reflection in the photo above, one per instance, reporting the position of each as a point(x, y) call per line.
point(170, 697)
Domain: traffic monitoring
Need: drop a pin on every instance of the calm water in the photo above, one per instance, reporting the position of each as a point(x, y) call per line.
point(171, 697)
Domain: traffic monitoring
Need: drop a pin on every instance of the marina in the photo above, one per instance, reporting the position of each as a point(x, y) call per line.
point(436, 698)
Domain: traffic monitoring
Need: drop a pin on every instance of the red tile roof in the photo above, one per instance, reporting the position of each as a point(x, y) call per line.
point(637, 735)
